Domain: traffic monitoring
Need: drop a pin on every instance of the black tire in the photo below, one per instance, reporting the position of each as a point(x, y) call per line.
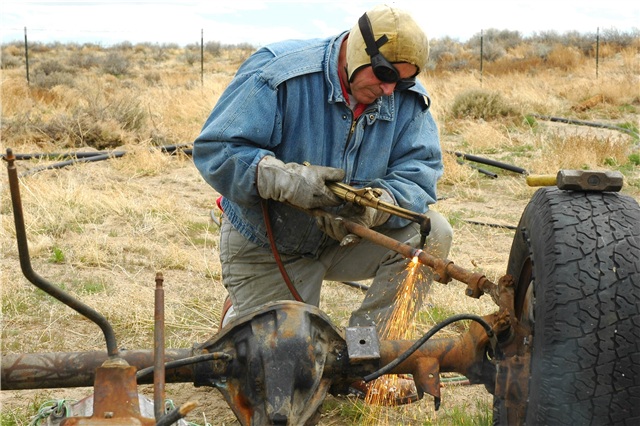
point(576, 262)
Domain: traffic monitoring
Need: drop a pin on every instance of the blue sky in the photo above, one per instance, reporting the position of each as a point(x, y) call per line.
point(261, 22)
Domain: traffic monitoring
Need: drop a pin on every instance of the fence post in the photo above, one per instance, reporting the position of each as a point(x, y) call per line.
point(481, 53)
point(202, 57)
point(26, 54)
point(597, 50)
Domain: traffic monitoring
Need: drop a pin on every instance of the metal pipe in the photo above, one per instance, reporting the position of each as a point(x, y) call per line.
point(444, 269)
point(37, 280)
point(366, 197)
point(158, 349)
point(78, 369)
point(490, 162)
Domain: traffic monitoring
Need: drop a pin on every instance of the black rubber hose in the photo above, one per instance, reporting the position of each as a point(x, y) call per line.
point(586, 123)
point(86, 157)
point(403, 357)
point(168, 149)
point(480, 170)
point(89, 159)
point(489, 162)
point(186, 361)
point(57, 155)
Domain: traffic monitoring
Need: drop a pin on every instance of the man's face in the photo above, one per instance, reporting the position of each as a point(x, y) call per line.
point(366, 87)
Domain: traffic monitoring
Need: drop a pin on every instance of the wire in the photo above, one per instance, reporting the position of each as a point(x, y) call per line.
point(276, 254)
point(186, 361)
point(59, 408)
point(403, 357)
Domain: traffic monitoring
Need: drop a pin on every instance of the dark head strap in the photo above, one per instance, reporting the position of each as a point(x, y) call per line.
point(367, 34)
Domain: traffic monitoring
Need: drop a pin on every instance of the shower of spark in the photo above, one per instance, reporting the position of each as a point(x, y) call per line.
point(401, 326)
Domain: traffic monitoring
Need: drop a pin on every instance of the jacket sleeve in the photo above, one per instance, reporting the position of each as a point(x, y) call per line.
point(415, 165)
point(240, 131)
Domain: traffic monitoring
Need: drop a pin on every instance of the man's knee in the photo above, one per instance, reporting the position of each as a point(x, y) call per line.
point(440, 236)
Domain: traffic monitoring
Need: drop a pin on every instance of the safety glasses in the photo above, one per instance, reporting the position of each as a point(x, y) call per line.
point(382, 68)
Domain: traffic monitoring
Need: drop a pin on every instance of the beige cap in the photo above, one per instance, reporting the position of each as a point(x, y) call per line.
point(407, 42)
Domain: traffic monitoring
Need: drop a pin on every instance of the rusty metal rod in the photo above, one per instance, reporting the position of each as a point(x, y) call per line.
point(158, 349)
point(444, 269)
point(77, 369)
point(37, 280)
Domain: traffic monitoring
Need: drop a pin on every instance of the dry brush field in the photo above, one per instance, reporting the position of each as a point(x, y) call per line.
point(101, 230)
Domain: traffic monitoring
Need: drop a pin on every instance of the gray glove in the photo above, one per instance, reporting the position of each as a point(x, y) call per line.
point(365, 216)
point(301, 186)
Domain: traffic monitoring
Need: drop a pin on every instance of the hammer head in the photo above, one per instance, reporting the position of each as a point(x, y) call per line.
point(590, 180)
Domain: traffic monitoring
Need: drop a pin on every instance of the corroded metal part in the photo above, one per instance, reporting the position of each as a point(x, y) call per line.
point(35, 278)
point(77, 369)
point(288, 355)
point(465, 354)
point(115, 399)
point(277, 374)
point(444, 269)
point(158, 348)
point(362, 343)
point(281, 360)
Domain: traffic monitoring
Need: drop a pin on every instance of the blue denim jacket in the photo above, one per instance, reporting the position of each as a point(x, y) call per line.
point(286, 100)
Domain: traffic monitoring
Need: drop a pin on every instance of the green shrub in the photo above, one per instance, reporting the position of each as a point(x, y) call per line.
point(49, 81)
point(481, 104)
point(116, 63)
point(9, 61)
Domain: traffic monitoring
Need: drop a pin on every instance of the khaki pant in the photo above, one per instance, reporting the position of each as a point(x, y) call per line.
point(252, 277)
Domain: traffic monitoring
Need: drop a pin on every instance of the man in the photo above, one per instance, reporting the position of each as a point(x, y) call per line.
point(351, 109)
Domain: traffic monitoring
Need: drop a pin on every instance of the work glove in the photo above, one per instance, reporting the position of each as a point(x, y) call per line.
point(365, 216)
point(296, 184)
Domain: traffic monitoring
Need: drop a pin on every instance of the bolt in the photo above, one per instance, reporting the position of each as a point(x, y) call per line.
point(108, 414)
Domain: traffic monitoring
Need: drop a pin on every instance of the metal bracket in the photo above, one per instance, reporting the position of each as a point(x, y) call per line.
point(362, 344)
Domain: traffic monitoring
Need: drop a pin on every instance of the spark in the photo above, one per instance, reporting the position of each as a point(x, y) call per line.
point(401, 326)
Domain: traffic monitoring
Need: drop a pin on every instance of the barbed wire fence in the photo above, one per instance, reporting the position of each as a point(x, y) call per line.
point(485, 43)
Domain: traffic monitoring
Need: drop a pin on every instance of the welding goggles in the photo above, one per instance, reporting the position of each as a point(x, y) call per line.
point(382, 68)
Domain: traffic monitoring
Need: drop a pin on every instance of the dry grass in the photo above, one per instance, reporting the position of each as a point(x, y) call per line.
point(102, 230)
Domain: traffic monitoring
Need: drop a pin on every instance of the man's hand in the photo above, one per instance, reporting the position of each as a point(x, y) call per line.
point(365, 216)
point(301, 186)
